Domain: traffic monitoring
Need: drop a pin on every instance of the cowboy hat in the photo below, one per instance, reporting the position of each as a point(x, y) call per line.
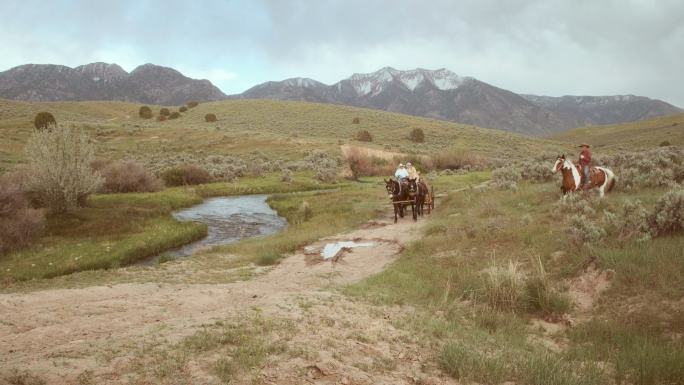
point(583, 145)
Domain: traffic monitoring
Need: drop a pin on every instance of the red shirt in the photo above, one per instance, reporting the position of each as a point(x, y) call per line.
point(585, 157)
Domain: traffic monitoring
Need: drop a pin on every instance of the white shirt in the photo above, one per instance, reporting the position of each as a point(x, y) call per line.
point(401, 173)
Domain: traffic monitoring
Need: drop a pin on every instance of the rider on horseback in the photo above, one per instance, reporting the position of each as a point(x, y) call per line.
point(585, 163)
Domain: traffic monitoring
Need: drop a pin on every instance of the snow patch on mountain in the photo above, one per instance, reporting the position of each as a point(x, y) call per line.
point(373, 83)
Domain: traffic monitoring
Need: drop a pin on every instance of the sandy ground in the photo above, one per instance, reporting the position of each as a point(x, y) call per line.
point(61, 333)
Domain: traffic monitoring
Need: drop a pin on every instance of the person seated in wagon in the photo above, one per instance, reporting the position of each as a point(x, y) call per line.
point(401, 173)
point(412, 172)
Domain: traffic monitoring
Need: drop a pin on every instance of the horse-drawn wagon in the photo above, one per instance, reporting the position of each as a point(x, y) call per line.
point(410, 192)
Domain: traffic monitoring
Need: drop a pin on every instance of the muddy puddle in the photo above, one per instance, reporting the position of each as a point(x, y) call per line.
point(228, 220)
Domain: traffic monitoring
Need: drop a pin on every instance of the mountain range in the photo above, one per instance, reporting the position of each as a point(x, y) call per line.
point(439, 94)
point(442, 94)
point(147, 83)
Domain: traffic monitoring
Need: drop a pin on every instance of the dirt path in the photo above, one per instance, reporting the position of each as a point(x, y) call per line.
point(61, 333)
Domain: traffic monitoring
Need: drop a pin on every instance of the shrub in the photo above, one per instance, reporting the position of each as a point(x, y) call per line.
point(182, 109)
point(129, 176)
point(453, 160)
point(44, 121)
point(633, 221)
point(668, 214)
point(186, 175)
point(59, 168)
point(664, 143)
point(256, 167)
point(175, 115)
point(209, 118)
point(164, 112)
point(19, 224)
point(161, 118)
point(536, 172)
point(193, 104)
point(506, 178)
point(356, 121)
point(574, 204)
point(417, 135)
point(583, 230)
point(287, 176)
point(145, 112)
point(364, 136)
point(304, 212)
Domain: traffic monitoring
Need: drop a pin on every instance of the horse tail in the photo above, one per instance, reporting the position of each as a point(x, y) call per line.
point(609, 183)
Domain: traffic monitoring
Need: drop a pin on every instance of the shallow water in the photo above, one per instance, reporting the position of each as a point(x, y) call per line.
point(331, 249)
point(228, 220)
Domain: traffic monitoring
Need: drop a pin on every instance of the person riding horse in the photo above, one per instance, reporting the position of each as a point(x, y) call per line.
point(585, 163)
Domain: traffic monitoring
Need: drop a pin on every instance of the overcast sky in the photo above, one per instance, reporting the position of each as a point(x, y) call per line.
point(549, 47)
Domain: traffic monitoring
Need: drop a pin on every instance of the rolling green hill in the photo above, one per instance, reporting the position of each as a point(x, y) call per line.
point(280, 129)
point(629, 136)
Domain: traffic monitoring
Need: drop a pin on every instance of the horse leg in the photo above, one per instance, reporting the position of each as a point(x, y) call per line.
point(414, 211)
point(395, 213)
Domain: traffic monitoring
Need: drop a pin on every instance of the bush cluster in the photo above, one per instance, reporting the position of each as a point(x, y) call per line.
point(364, 136)
point(356, 121)
point(506, 178)
point(188, 174)
point(128, 176)
point(59, 168)
point(193, 104)
point(19, 223)
point(164, 112)
point(145, 112)
point(174, 115)
point(536, 172)
point(417, 135)
point(182, 109)
point(209, 118)
point(662, 166)
point(44, 121)
point(668, 215)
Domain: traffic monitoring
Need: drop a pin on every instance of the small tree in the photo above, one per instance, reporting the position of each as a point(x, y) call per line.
point(192, 104)
point(145, 112)
point(44, 121)
point(209, 118)
point(364, 136)
point(183, 109)
point(175, 115)
point(356, 121)
point(164, 112)
point(417, 135)
point(59, 167)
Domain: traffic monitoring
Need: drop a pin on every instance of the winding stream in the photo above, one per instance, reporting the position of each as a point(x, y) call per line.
point(228, 220)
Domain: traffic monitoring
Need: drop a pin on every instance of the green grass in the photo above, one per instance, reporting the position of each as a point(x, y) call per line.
point(331, 212)
point(445, 277)
point(630, 136)
point(280, 129)
point(118, 229)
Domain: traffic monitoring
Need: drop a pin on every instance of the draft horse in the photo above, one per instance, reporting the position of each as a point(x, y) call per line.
point(600, 177)
point(424, 196)
point(401, 195)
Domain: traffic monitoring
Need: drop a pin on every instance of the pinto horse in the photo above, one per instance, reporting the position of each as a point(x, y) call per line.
point(399, 194)
point(600, 177)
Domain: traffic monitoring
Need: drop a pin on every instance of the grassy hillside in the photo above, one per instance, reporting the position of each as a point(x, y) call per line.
point(629, 136)
point(282, 130)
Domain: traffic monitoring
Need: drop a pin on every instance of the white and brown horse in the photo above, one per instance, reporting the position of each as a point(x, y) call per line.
point(600, 177)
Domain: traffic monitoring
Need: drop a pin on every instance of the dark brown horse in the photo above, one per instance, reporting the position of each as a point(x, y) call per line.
point(422, 196)
point(401, 195)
